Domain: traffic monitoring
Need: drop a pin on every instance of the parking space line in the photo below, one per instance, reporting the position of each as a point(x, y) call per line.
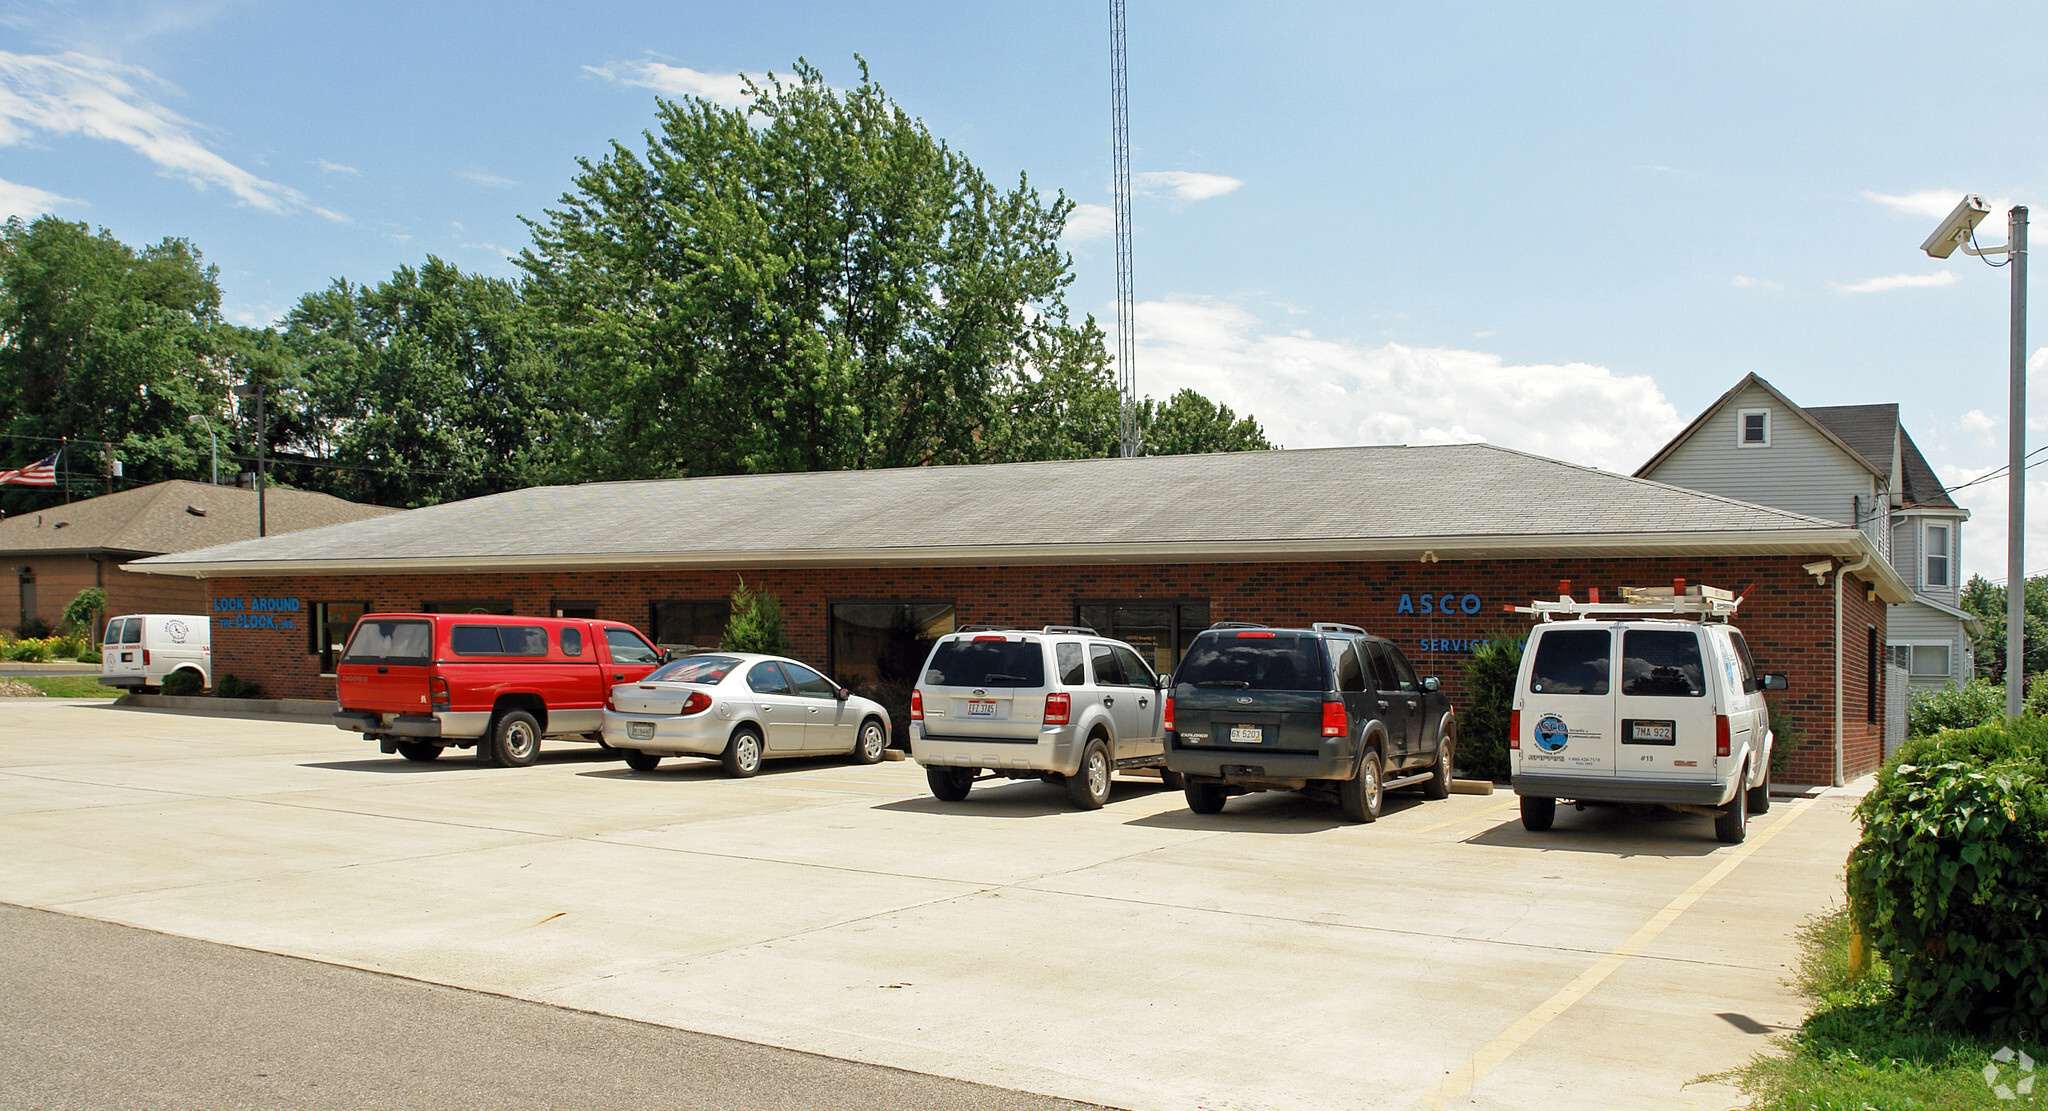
point(1448, 822)
point(1490, 1056)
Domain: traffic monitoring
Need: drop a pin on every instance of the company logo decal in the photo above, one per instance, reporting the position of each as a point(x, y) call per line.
point(1552, 734)
point(177, 631)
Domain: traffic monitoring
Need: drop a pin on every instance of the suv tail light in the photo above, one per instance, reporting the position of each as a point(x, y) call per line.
point(697, 703)
point(1059, 708)
point(1514, 728)
point(1721, 739)
point(1257, 635)
point(1169, 715)
point(1336, 723)
point(439, 687)
point(997, 639)
point(916, 704)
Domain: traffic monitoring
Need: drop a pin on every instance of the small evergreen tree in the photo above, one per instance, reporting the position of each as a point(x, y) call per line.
point(1483, 726)
point(755, 624)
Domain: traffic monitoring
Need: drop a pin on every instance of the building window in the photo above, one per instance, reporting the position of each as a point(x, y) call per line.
point(467, 605)
point(1935, 545)
point(1923, 661)
point(878, 648)
point(332, 622)
point(1753, 428)
point(573, 607)
point(1159, 630)
point(689, 626)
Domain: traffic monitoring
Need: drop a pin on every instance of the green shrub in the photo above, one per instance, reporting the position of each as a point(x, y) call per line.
point(66, 647)
point(233, 686)
point(183, 684)
point(29, 651)
point(1977, 702)
point(1786, 737)
point(1950, 879)
point(35, 628)
point(755, 624)
point(89, 656)
point(1490, 690)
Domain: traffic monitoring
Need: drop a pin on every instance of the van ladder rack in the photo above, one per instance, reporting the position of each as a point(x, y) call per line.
point(1703, 602)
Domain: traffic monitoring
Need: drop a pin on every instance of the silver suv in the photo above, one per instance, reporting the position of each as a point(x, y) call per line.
point(1062, 704)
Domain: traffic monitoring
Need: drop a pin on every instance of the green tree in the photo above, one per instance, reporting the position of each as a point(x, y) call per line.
point(755, 623)
point(82, 613)
point(1190, 424)
point(99, 341)
point(1986, 600)
point(1490, 687)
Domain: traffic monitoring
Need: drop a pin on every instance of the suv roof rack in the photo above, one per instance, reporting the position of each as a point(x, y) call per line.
point(1238, 625)
point(991, 629)
point(1083, 630)
point(1338, 627)
point(1703, 602)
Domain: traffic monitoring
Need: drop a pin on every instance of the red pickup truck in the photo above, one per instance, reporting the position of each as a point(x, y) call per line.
point(418, 683)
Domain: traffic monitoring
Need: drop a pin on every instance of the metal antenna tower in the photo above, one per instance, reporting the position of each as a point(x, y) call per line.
point(1126, 310)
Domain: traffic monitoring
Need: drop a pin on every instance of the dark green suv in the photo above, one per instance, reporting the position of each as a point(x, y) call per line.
point(1328, 710)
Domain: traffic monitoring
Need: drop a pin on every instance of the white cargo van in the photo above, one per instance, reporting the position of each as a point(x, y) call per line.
point(142, 648)
point(1653, 699)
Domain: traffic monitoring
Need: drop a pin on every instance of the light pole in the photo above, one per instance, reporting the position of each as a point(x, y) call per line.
point(1960, 230)
point(211, 439)
point(254, 388)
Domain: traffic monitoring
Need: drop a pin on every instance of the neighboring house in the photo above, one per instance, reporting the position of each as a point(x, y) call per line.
point(54, 553)
point(1849, 463)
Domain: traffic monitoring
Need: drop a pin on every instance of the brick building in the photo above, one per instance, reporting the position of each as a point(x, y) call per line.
point(1427, 545)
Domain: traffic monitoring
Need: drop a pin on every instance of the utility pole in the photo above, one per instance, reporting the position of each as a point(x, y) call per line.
point(1126, 309)
point(254, 388)
point(2016, 482)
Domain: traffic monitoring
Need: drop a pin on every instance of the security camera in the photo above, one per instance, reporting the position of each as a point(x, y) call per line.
point(1957, 228)
point(1819, 570)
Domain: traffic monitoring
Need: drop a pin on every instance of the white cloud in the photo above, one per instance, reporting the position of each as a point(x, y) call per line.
point(27, 201)
point(729, 89)
point(482, 178)
point(1744, 281)
point(327, 167)
point(77, 94)
point(1089, 221)
point(1309, 392)
point(1184, 185)
point(1898, 281)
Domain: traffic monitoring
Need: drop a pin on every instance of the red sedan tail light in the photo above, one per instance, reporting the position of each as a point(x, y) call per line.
point(1336, 723)
point(697, 703)
point(1059, 708)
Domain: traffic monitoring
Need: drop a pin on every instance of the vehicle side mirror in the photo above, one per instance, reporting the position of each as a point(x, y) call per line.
point(663, 655)
point(1166, 681)
point(1772, 681)
point(842, 694)
point(1430, 684)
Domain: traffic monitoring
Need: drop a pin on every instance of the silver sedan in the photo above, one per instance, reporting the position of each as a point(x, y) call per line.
point(741, 708)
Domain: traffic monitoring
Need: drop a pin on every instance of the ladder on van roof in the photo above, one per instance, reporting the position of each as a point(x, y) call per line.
point(1678, 600)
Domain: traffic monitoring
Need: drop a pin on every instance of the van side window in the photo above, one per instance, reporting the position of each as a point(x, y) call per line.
point(1746, 661)
point(1662, 663)
point(627, 648)
point(131, 633)
point(572, 641)
point(1071, 673)
point(1572, 661)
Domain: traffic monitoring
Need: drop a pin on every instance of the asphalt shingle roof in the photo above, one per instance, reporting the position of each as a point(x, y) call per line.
point(161, 518)
point(1469, 498)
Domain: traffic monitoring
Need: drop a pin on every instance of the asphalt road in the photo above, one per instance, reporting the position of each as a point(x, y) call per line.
point(95, 1015)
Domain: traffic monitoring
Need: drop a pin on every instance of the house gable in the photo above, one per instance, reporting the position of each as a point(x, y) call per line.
point(1803, 468)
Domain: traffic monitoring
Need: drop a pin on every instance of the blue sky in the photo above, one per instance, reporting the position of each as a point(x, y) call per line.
point(1566, 228)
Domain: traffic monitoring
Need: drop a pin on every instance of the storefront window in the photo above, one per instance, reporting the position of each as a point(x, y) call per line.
point(467, 605)
point(330, 628)
point(878, 647)
point(690, 626)
point(1160, 631)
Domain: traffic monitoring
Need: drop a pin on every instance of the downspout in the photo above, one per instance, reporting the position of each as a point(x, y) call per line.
point(1841, 573)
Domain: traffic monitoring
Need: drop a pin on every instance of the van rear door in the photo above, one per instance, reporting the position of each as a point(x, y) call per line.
point(1664, 712)
point(121, 653)
point(1567, 725)
point(385, 667)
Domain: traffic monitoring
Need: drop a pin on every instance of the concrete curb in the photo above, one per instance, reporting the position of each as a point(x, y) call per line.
point(276, 709)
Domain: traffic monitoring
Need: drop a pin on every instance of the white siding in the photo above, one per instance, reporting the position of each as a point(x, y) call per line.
point(1801, 470)
point(1906, 550)
point(1913, 623)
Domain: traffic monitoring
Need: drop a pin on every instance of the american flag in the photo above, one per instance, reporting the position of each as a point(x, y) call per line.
point(42, 472)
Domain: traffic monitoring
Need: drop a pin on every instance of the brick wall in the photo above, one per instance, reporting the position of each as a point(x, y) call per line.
point(1788, 621)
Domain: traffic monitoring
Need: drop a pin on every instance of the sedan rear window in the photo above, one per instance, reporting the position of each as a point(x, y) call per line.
point(696, 669)
point(1269, 663)
point(390, 642)
point(1661, 663)
point(986, 663)
point(1572, 661)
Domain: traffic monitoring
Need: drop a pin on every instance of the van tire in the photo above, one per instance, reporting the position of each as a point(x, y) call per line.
point(1733, 824)
point(641, 761)
point(1760, 796)
point(949, 784)
point(1538, 813)
point(515, 739)
point(1088, 787)
point(1439, 785)
point(419, 752)
point(1361, 796)
point(1205, 798)
point(870, 742)
point(742, 755)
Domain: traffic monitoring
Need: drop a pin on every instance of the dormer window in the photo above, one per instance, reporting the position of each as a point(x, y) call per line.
point(1753, 428)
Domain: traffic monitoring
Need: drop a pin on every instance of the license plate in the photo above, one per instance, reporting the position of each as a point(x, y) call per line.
point(979, 708)
point(1246, 734)
point(640, 730)
point(1651, 731)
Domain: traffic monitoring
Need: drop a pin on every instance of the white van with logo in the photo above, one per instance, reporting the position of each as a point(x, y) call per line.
point(141, 649)
point(1622, 703)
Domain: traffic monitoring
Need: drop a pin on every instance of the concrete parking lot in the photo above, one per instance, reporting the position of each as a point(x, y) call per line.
point(1138, 956)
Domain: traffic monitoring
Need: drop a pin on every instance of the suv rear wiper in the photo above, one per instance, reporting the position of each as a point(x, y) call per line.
point(1238, 683)
point(997, 677)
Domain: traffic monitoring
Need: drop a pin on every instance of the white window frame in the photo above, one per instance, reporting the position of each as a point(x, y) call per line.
point(1912, 647)
point(1947, 557)
point(1742, 428)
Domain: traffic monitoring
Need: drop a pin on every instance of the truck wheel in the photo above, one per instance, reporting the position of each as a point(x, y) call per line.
point(1088, 787)
point(873, 740)
point(515, 739)
point(1733, 824)
point(640, 761)
point(949, 784)
point(1205, 798)
point(1760, 796)
point(742, 756)
point(1538, 813)
point(419, 752)
point(1439, 785)
point(1361, 795)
